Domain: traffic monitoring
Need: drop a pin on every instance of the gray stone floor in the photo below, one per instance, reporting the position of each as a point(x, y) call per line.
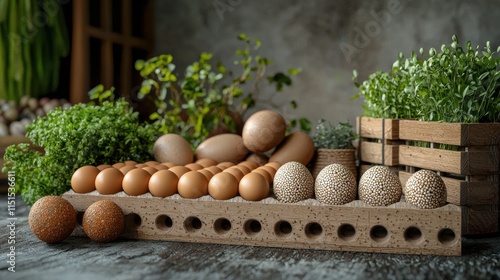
point(80, 258)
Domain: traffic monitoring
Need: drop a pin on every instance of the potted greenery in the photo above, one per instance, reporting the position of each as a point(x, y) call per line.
point(334, 144)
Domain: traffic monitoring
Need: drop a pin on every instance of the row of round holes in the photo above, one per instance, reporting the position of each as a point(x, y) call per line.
point(313, 230)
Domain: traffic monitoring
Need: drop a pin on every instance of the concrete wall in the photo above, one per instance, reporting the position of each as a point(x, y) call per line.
point(328, 39)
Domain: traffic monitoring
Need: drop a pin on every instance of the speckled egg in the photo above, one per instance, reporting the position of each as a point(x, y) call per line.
point(103, 221)
point(52, 219)
point(336, 185)
point(425, 189)
point(293, 182)
point(380, 186)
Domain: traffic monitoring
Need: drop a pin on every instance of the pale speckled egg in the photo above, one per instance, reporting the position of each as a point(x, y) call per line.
point(253, 187)
point(223, 186)
point(263, 131)
point(335, 185)
point(173, 148)
point(293, 182)
point(136, 181)
point(109, 181)
point(222, 147)
point(163, 183)
point(192, 184)
point(83, 179)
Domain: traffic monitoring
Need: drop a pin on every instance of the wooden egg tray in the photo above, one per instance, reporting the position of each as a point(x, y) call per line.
point(399, 228)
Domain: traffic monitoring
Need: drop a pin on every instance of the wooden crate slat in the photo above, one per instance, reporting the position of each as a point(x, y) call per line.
point(476, 222)
point(372, 128)
point(372, 152)
point(396, 219)
point(450, 133)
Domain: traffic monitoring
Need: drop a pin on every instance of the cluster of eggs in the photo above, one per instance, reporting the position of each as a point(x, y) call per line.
point(222, 181)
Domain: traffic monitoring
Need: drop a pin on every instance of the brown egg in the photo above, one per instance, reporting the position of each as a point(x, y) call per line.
point(192, 184)
point(265, 173)
point(103, 221)
point(250, 164)
point(151, 163)
point(214, 169)
point(136, 182)
point(109, 181)
point(244, 169)
point(103, 166)
point(161, 167)
point(141, 165)
point(238, 174)
point(253, 187)
point(118, 165)
point(222, 147)
point(52, 219)
point(150, 169)
point(130, 162)
point(223, 186)
point(263, 131)
point(173, 148)
point(274, 164)
point(168, 164)
point(260, 159)
point(127, 168)
point(225, 164)
point(297, 146)
point(269, 169)
point(194, 166)
point(83, 179)
point(206, 162)
point(179, 170)
point(207, 173)
point(163, 183)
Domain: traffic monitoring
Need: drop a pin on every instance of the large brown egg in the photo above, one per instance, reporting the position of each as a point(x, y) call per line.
point(223, 186)
point(206, 162)
point(254, 187)
point(192, 184)
point(136, 182)
point(52, 219)
point(103, 221)
point(163, 183)
point(83, 179)
point(297, 146)
point(173, 148)
point(263, 131)
point(179, 170)
point(238, 174)
point(222, 147)
point(109, 181)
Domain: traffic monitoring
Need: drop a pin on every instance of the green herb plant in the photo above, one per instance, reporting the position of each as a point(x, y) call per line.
point(460, 85)
point(203, 100)
point(81, 135)
point(340, 136)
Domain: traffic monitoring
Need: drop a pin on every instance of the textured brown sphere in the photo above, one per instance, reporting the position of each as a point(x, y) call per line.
point(335, 184)
point(380, 186)
point(103, 221)
point(293, 182)
point(425, 189)
point(52, 219)
point(263, 131)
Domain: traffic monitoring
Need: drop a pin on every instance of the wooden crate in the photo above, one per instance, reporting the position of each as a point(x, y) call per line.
point(399, 228)
point(471, 171)
point(379, 143)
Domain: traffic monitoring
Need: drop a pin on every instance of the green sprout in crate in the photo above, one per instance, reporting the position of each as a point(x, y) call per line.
point(201, 103)
point(340, 136)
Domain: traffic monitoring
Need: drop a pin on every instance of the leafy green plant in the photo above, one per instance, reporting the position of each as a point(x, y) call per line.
point(80, 135)
point(33, 39)
point(454, 85)
point(203, 100)
point(340, 136)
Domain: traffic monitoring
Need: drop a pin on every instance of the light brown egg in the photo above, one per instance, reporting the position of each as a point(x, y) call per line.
point(103, 166)
point(250, 164)
point(238, 174)
point(83, 179)
point(271, 170)
point(151, 163)
point(118, 165)
point(179, 170)
point(260, 159)
point(214, 169)
point(254, 187)
point(163, 183)
point(173, 148)
point(168, 164)
point(161, 167)
point(263, 131)
point(225, 164)
point(136, 182)
point(244, 169)
point(297, 146)
point(265, 173)
point(192, 184)
point(127, 168)
point(222, 147)
point(141, 165)
point(194, 166)
point(109, 181)
point(274, 164)
point(207, 173)
point(150, 169)
point(206, 162)
point(223, 186)
point(130, 162)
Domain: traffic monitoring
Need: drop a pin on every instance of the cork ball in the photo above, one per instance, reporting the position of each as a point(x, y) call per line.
point(336, 185)
point(52, 219)
point(103, 221)
point(380, 186)
point(293, 182)
point(425, 189)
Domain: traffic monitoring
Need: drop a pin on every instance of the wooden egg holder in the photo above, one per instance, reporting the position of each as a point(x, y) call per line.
point(399, 228)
